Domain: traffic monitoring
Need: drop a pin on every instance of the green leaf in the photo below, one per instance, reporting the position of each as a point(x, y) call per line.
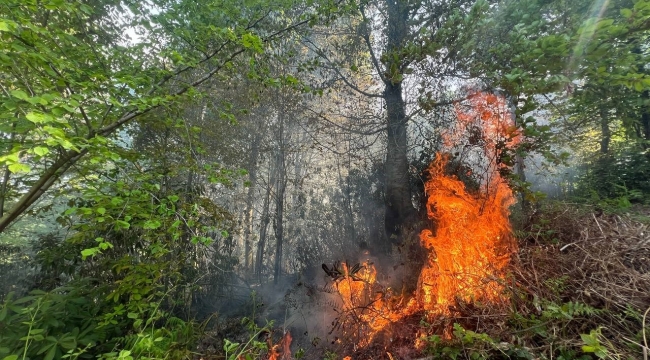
point(121, 224)
point(101, 210)
point(39, 118)
point(151, 224)
point(11, 357)
point(3, 313)
point(41, 150)
point(251, 41)
point(229, 346)
point(88, 252)
point(19, 168)
point(68, 343)
point(50, 354)
point(13, 157)
point(638, 86)
point(19, 94)
point(588, 349)
point(55, 132)
point(4, 26)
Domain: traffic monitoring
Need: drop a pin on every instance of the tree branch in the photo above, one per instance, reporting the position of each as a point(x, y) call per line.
point(70, 157)
point(350, 130)
point(373, 57)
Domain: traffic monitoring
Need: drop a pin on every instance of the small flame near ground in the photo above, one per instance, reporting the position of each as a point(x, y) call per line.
point(282, 350)
point(469, 248)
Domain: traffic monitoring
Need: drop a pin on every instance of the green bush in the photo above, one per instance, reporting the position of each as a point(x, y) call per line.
point(616, 180)
point(51, 325)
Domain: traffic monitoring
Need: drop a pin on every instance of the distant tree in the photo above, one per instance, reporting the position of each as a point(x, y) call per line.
point(77, 73)
point(410, 50)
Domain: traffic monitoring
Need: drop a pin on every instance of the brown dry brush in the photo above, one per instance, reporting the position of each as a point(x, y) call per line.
point(578, 254)
point(592, 268)
point(577, 270)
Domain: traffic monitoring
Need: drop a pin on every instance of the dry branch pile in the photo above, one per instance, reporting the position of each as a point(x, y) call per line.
point(586, 256)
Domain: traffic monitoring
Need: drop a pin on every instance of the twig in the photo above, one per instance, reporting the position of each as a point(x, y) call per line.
point(645, 339)
point(597, 223)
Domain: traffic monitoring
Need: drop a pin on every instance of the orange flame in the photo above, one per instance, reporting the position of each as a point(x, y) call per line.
point(282, 350)
point(373, 305)
point(472, 241)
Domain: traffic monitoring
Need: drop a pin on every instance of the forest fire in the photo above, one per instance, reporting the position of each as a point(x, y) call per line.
point(471, 242)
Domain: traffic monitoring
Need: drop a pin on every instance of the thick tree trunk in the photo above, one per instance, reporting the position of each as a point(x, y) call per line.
point(399, 206)
point(349, 210)
point(520, 162)
point(346, 190)
point(3, 190)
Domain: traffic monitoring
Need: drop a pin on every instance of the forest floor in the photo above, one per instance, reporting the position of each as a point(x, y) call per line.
point(579, 289)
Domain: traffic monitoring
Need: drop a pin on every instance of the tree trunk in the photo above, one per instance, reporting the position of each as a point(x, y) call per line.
point(281, 185)
point(346, 190)
point(645, 119)
point(7, 174)
point(520, 162)
point(264, 224)
point(44, 182)
point(279, 227)
point(250, 196)
point(399, 206)
point(606, 132)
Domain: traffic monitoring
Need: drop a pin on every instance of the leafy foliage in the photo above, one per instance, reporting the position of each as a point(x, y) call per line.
point(617, 180)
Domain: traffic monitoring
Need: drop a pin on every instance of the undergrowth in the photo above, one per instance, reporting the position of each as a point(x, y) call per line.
point(579, 290)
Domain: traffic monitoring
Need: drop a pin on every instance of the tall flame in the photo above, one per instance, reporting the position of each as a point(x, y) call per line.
point(472, 242)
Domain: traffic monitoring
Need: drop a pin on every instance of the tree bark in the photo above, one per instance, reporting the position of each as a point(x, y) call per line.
point(264, 224)
point(645, 119)
point(346, 189)
point(606, 132)
point(250, 197)
point(281, 185)
point(7, 174)
point(399, 205)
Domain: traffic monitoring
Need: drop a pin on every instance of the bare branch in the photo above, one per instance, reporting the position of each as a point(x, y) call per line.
point(347, 129)
point(373, 57)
